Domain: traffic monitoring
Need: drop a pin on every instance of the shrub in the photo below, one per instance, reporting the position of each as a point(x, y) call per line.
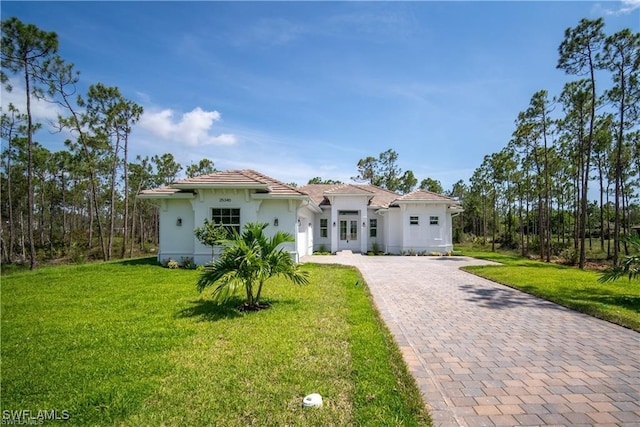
point(570, 256)
point(187, 263)
point(375, 248)
point(77, 254)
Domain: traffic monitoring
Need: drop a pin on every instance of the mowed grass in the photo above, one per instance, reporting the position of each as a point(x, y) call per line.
point(617, 302)
point(132, 343)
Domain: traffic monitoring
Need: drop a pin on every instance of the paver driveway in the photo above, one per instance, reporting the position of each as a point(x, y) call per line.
point(484, 354)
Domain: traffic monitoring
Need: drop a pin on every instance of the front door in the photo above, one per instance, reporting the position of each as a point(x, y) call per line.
point(349, 234)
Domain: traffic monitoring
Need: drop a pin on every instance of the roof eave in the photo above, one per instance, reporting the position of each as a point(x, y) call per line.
point(166, 196)
point(252, 186)
point(265, 196)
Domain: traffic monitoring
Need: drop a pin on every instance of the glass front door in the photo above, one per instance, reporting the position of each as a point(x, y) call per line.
point(348, 230)
point(349, 234)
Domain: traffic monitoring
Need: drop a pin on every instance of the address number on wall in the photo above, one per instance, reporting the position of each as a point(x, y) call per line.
point(225, 200)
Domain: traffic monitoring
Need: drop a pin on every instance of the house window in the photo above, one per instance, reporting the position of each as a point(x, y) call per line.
point(433, 220)
point(414, 220)
point(229, 217)
point(373, 227)
point(324, 227)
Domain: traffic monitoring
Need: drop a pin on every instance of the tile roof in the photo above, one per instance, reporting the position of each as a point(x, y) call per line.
point(159, 191)
point(239, 178)
point(248, 178)
point(424, 195)
point(380, 196)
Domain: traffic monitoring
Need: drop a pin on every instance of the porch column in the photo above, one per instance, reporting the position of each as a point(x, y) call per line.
point(364, 232)
point(333, 226)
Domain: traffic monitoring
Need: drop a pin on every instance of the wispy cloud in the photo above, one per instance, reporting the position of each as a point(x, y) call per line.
point(377, 21)
point(192, 129)
point(625, 7)
point(271, 32)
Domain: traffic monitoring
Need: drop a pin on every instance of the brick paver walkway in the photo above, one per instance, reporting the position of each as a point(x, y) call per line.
point(487, 355)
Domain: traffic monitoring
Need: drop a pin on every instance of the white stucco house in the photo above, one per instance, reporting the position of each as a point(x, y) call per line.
point(337, 217)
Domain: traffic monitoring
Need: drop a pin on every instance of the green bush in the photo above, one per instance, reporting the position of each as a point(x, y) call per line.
point(187, 263)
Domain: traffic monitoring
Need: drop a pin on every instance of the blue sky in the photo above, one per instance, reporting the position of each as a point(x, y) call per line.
point(303, 89)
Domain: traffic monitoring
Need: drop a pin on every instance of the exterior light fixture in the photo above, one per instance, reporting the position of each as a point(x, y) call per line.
point(275, 222)
point(334, 223)
point(364, 224)
point(179, 222)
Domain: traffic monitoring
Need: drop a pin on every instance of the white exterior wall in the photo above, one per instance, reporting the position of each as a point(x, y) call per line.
point(393, 229)
point(211, 198)
point(179, 241)
point(380, 237)
point(394, 234)
point(180, 236)
point(305, 232)
point(425, 237)
point(269, 210)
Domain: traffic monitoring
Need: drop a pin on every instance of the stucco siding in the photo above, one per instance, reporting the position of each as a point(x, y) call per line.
point(393, 228)
point(176, 226)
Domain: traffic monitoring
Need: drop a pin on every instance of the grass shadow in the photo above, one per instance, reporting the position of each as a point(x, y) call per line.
point(204, 310)
point(451, 258)
point(210, 311)
point(601, 295)
point(135, 262)
point(501, 298)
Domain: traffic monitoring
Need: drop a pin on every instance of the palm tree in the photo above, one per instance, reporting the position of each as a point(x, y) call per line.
point(630, 266)
point(248, 261)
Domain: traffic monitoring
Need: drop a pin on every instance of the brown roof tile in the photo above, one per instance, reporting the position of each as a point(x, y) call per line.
point(166, 191)
point(381, 197)
point(239, 178)
point(424, 195)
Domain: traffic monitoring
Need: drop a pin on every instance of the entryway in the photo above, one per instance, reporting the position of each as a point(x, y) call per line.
point(348, 236)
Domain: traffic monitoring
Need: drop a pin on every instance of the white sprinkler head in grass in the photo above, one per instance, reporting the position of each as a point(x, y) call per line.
point(314, 400)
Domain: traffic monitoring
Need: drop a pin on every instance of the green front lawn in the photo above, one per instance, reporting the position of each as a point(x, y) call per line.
point(132, 343)
point(617, 302)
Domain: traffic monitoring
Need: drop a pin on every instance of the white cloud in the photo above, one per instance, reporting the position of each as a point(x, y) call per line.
point(192, 129)
point(626, 7)
point(42, 111)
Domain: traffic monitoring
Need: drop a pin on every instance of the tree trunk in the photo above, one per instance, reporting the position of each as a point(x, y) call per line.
point(33, 262)
point(125, 234)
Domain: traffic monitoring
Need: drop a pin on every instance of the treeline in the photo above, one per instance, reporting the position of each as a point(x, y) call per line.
point(80, 201)
point(535, 193)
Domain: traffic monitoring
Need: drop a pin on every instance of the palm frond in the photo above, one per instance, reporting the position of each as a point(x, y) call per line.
point(630, 265)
